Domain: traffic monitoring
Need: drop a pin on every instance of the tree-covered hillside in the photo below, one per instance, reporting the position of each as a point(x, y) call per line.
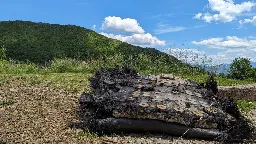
point(41, 42)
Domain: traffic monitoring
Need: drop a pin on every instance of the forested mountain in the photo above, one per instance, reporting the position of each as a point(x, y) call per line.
point(41, 42)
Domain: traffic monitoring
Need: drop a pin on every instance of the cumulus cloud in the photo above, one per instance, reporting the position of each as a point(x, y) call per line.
point(229, 55)
point(124, 26)
point(225, 10)
point(228, 42)
point(250, 21)
point(117, 24)
point(137, 39)
point(232, 47)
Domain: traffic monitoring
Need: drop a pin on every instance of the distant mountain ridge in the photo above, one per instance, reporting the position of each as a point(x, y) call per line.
point(223, 68)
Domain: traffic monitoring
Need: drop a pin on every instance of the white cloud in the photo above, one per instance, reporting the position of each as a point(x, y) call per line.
point(251, 37)
point(137, 39)
point(229, 55)
point(162, 15)
point(117, 24)
point(128, 25)
point(93, 27)
point(165, 28)
point(225, 10)
point(228, 42)
point(249, 14)
point(232, 47)
point(197, 16)
point(250, 21)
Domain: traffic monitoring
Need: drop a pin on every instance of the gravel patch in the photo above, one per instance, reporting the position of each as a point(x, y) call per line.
point(39, 114)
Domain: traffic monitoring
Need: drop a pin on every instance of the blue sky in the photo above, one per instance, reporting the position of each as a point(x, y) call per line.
point(220, 29)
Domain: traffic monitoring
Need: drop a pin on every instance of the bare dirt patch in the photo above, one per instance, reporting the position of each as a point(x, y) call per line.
point(245, 92)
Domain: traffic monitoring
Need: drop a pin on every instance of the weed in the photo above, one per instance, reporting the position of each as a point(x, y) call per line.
point(6, 103)
point(87, 134)
point(246, 106)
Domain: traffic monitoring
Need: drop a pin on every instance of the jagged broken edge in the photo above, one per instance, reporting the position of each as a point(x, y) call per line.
point(243, 128)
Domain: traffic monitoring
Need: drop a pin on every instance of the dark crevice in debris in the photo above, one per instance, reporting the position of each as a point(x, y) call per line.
point(127, 101)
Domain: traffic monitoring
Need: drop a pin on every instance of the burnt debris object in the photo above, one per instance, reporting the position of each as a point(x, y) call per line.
point(122, 100)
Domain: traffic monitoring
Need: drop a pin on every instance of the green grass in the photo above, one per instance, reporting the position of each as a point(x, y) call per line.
point(78, 82)
point(246, 106)
point(221, 81)
point(75, 82)
point(55, 66)
point(6, 103)
point(75, 68)
point(86, 134)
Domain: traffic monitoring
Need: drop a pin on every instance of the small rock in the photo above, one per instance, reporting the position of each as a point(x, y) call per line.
point(167, 76)
point(13, 90)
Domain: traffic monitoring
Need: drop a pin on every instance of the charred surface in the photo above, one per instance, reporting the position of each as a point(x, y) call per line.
point(124, 125)
point(124, 94)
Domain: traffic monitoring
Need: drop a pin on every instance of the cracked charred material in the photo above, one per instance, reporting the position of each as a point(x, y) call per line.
point(124, 94)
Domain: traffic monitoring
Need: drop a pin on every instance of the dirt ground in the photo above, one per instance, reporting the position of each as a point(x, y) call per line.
point(40, 114)
point(246, 92)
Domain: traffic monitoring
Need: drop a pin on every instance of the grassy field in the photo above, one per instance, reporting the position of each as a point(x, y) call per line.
point(74, 82)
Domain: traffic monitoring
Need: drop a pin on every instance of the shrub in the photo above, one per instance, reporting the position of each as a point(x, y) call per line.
point(253, 73)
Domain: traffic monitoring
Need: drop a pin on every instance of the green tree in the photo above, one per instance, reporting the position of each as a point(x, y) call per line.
point(253, 73)
point(240, 68)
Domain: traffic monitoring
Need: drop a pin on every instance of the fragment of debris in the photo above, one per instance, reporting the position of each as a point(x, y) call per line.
point(123, 101)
